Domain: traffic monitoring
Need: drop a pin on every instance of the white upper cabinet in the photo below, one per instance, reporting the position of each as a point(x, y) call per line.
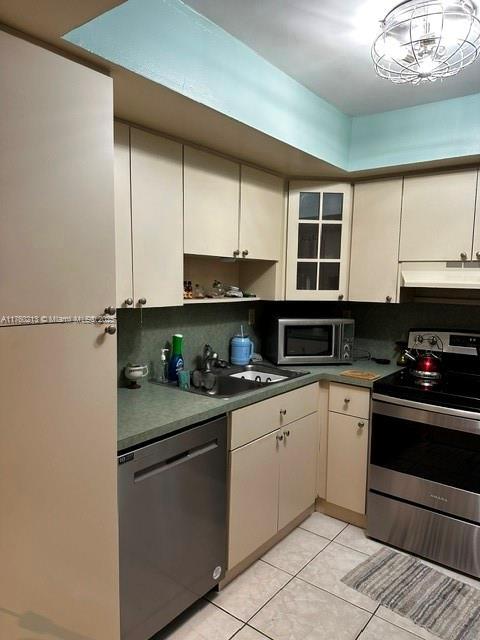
point(262, 215)
point(476, 237)
point(318, 245)
point(377, 208)
point(438, 217)
point(57, 248)
point(156, 222)
point(212, 196)
point(123, 216)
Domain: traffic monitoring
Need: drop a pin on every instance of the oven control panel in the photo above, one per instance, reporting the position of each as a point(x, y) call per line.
point(459, 342)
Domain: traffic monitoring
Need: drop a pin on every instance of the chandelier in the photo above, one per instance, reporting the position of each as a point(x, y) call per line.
point(427, 40)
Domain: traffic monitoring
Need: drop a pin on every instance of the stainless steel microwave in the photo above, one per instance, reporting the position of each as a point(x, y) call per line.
point(310, 341)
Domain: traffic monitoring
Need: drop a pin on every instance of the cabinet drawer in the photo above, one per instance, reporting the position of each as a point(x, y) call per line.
point(349, 400)
point(261, 418)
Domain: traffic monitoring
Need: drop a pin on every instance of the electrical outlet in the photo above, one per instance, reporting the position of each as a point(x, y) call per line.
point(251, 317)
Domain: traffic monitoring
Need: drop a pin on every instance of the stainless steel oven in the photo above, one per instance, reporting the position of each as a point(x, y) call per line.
point(310, 341)
point(424, 480)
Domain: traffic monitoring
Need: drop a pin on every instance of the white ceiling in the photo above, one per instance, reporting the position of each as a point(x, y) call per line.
point(325, 45)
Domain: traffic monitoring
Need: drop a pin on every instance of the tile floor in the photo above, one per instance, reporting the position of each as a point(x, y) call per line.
point(295, 593)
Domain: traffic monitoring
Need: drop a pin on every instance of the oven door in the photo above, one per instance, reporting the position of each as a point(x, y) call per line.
point(427, 455)
point(308, 341)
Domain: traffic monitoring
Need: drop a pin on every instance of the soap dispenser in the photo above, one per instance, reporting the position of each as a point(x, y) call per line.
point(176, 363)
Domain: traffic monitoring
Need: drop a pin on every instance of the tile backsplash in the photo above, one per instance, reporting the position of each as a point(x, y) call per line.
point(141, 334)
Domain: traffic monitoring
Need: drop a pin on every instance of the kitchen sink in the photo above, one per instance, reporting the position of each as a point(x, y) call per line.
point(235, 380)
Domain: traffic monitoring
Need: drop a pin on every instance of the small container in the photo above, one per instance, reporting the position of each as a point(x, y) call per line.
point(135, 372)
point(241, 349)
point(184, 380)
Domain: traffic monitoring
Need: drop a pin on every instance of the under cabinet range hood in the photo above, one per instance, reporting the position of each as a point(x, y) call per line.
point(440, 275)
point(446, 282)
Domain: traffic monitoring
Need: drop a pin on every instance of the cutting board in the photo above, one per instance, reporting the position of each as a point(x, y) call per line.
point(360, 375)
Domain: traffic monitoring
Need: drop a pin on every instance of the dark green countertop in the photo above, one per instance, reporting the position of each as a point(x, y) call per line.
point(155, 411)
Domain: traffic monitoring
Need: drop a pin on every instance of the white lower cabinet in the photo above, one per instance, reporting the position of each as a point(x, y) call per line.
point(298, 466)
point(253, 497)
point(272, 477)
point(347, 449)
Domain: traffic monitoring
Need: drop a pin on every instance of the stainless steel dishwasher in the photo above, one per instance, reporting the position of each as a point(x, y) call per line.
point(172, 518)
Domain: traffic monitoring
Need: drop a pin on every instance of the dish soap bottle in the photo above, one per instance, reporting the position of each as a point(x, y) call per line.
point(176, 361)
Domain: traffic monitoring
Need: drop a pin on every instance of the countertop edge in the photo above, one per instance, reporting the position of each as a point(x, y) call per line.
point(227, 405)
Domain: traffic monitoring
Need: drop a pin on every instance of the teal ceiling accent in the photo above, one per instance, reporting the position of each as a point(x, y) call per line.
point(169, 43)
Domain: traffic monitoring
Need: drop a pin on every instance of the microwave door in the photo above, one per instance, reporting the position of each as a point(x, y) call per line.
point(313, 343)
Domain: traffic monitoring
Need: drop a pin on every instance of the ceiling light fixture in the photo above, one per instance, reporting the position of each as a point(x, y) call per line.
point(427, 40)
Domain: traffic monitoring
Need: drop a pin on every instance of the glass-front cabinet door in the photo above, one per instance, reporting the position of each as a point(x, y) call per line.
point(318, 247)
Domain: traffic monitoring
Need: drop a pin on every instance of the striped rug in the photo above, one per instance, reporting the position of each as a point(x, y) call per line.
point(444, 606)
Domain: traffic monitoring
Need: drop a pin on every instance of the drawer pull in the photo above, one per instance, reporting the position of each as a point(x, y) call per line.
point(361, 425)
point(283, 412)
point(346, 400)
point(286, 433)
point(279, 437)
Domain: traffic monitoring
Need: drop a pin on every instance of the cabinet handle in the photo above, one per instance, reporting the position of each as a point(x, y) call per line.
point(283, 412)
point(236, 253)
point(129, 302)
point(110, 311)
point(478, 255)
point(279, 437)
point(346, 400)
point(142, 301)
point(286, 433)
point(361, 425)
point(388, 298)
point(111, 330)
point(341, 296)
point(245, 253)
point(463, 255)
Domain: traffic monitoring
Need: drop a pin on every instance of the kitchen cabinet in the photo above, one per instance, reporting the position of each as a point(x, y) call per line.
point(58, 479)
point(123, 216)
point(476, 236)
point(347, 450)
point(377, 208)
point(273, 466)
point(262, 215)
point(253, 496)
point(148, 219)
point(212, 193)
point(56, 184)
point(318, 244)
point(298, 467)
point(232, 210)
point(438, 217)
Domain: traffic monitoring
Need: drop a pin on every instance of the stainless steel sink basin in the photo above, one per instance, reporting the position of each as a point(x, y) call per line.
point(225, 386)
point(235, 380)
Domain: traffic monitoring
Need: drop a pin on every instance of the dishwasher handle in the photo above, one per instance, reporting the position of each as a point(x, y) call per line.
point(174, 461)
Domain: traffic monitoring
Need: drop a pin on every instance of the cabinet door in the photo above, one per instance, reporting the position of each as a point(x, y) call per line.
point(58, 483)
point(298, 468)
point(377, 207)
point(212, 193)
point(347, 461)
point(438, 216)
point(57, 247)
point(262, 215)
point(157, 219)
point(318, 248)
point(253, 497)
point(123, 215)
point(476, 239)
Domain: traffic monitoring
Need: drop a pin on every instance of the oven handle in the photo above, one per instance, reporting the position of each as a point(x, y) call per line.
point(454, 419)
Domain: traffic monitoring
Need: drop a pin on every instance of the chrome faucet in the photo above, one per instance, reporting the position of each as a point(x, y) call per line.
point(210, 357)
